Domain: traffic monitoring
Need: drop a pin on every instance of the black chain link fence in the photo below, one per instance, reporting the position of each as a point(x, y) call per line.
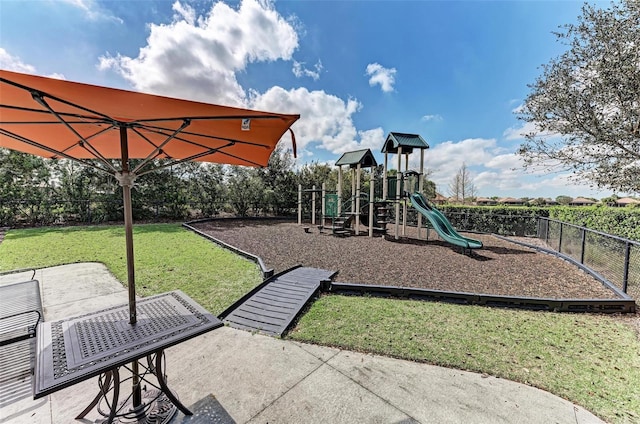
point(615, 258)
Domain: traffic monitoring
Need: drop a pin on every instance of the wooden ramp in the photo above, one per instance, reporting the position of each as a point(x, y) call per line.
point(274, 305)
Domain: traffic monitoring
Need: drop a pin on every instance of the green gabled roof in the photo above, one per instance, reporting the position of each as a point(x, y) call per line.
point(363, 157)
point(407, 141)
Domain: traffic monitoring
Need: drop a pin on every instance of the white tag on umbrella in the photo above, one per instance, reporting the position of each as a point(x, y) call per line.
point(246, 124)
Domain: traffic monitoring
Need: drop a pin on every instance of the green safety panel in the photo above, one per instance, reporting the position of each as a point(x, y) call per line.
point(331, 205)
point(392, 185)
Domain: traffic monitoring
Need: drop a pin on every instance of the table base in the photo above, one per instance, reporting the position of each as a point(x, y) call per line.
point(158, 404)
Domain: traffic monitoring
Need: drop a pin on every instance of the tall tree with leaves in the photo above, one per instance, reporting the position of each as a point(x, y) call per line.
point(25, 188)
point(584, 110)
point(279, 181)
point(207, 188)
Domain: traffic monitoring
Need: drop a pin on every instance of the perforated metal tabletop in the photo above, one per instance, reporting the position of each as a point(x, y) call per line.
point(73, 350)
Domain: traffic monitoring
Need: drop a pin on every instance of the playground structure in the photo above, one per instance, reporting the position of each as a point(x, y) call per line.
point(371, 211)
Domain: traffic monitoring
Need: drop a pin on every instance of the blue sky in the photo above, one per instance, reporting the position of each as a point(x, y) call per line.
point(451, 71)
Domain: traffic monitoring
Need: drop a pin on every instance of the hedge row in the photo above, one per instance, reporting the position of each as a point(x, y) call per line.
point(521, 221)
point(623, 222)
point(505, 220)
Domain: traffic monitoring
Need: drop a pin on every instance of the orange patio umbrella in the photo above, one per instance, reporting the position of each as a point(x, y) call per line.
point(94, 125)
point(90, 124)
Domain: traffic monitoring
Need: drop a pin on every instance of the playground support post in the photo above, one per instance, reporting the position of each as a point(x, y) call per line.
point(324, 203)
point(372, 182)
point(404, 201)
point(353, 190)
point(385, 183)
point(357, 209)
point(339, 189)
point(313, 205)
point(420, 188)
point(398, 181)
point(299, 204)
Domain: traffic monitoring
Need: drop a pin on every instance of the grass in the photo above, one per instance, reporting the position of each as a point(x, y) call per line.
point(591, 360)
point(167, 257)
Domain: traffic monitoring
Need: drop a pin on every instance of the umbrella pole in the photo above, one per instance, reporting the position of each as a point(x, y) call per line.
point(128, 229)
point(126, 181)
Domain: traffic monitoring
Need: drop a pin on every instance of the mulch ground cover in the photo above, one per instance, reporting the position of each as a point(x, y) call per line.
point(500, 268)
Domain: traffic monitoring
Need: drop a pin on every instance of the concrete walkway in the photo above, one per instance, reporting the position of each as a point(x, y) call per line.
point(260, 379)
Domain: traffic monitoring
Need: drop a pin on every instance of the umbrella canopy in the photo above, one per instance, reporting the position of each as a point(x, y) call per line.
point(56, 118)
point(62, 119)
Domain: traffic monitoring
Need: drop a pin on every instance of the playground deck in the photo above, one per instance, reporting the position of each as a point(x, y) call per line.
point(274, 305)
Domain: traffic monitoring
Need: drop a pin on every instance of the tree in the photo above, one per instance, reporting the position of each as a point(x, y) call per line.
point(585, 108)
point(207, 188)
point(25, 188)
point(280, 182)
point(461, 187)
point(564, 200)
point(84, 193)
point(245, 190)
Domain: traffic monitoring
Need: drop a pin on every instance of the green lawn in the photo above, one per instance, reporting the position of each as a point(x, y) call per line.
point(592, 360)
point(167, 257)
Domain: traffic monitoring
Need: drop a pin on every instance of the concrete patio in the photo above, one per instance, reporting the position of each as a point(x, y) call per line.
point(260, 379)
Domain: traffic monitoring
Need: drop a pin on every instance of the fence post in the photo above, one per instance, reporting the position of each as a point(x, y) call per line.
point(546, 231)
point(299, 204)
point(560, 238)
point(584, 241)
point(313, 205)
point(625, 277)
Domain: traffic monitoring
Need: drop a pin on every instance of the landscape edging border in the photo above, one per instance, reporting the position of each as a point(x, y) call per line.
point(624, 305)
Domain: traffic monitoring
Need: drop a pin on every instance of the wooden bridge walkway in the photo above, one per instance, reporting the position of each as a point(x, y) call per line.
point(273, 306)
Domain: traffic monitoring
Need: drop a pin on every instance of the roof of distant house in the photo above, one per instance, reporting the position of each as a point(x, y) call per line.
point(627, 201)
point(582, 201)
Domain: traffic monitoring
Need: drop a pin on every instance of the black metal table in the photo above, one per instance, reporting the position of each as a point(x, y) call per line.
point(100, 343)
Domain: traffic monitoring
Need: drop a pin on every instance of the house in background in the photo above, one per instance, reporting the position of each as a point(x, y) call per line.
point(440, 199)
point(484, 201)
point(626, 201)
point(510, 201)
point(541, 201)
point(581, 201)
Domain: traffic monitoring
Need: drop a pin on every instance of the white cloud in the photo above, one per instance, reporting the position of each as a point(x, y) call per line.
point(450, 155)
point(381, 75)
point(518, 133)
point(372, 139)
point(434, 118)
point(199, 56)
point(505, 161)
point(300, 71)
point(15, 64)
point(93, 11)
point(325, 119)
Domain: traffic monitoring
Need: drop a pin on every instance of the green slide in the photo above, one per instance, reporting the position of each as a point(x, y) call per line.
point(441, 224)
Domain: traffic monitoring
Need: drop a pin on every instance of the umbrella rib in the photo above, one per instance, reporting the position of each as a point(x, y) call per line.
point(84, 142)
point(84, 118)
point(161, 130)
point(158, 148)
point(187, 159)
point(210, 118)
point(240, 158)
point(38, 96)
point(54, 152)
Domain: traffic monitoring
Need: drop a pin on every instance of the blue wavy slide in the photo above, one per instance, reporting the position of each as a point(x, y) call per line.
point(441, 224)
